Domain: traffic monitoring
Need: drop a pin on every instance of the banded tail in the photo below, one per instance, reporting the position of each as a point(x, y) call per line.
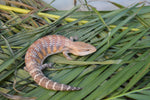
point(43, 81)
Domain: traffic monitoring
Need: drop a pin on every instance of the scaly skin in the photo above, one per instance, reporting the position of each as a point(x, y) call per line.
point(50, 45)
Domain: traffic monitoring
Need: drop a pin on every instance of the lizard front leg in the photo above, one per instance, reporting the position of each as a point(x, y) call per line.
point(65, 53)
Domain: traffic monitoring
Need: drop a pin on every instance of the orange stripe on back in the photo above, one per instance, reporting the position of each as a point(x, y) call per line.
point(48, 49)
point(40, 55)
point(54, 48)
point(43, 51)
point(38, 60)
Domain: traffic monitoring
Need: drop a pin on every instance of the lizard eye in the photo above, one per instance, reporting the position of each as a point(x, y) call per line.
point(88, 50)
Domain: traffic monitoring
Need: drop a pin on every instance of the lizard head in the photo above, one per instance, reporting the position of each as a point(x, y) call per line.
point(81, 48)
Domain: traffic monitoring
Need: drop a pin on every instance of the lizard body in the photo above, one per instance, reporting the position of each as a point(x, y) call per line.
point(50, 45)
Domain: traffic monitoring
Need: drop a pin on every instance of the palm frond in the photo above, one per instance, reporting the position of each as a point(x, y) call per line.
point(127, 40)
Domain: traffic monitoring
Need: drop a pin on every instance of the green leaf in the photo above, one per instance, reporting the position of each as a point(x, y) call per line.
point(118, 70)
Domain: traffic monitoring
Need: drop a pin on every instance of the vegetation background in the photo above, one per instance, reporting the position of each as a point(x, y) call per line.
point(118, 70)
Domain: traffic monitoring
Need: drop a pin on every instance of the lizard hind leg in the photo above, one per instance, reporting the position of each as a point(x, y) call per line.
point(49, 65)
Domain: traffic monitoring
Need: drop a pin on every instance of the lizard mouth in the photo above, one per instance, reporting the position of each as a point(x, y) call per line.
point(87, 52)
